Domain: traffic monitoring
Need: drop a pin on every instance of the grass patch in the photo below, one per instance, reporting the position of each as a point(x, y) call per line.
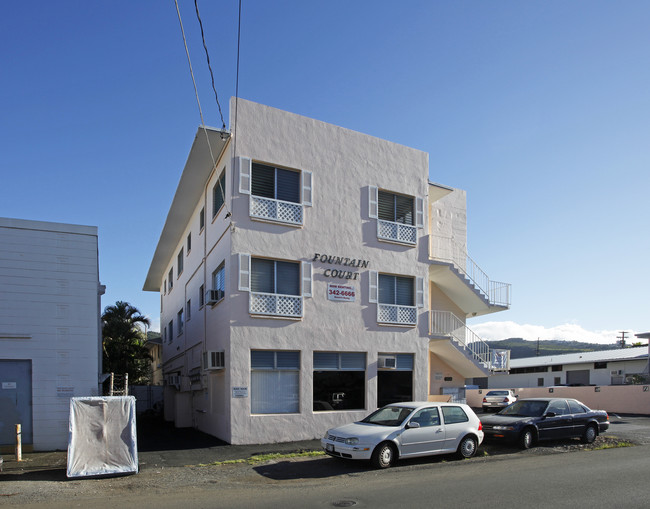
point(614, 445)
point(261, 458)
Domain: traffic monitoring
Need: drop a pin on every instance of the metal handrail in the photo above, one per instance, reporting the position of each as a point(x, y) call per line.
point(446, 249)
point(445, 323)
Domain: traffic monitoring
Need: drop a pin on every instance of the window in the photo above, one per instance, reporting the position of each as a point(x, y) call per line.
point(201, 220)
point(171, 279)
point(396, 384)
point(189, 242)
point(427, 417)
point(559, 407)
point(188, 309)
point(275, 276)
point(275, 183)
point(540, 382)
point(397, 297)
point(557, 380)
point(600, 365)
point(165, 286)
point(453, 414)
point(575, 407)
point(219, 282)
point(201, 296)
point(275, 377)
point(395, 207)
point(179, 260)
point(556, 368)
point(339, 381)
point(170, 331)
point(179, 322)
point(219, 194)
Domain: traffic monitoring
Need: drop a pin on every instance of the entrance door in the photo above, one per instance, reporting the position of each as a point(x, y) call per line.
point(15, 401)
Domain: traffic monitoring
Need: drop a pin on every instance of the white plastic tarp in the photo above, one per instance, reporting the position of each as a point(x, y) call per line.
point(103, 437)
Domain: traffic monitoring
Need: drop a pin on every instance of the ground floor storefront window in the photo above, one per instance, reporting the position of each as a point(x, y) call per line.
point(275, 382)
point(395, 384)
point(339, 381)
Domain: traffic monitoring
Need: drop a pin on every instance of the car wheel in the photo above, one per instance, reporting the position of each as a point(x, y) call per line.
point(383, 456)
point(526, 438)
point(467, 447)
point(589, 435)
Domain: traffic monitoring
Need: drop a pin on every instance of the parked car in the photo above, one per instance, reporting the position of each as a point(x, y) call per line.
point(498, 399)
point(528, 420)
point(407, 430)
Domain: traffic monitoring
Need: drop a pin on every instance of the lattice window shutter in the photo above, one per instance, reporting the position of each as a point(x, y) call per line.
point(372, 201)
point(419, 292)
point(373, 286)
point(419, 212)
point(307, 188)
point(306, 279)
point(244, 272)
point(244, 164)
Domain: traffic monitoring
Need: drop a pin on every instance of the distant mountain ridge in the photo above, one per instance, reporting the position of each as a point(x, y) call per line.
point(521, 348)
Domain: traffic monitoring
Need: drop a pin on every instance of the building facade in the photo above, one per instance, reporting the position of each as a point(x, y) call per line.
point(50, 339)
point(309, 274)
point(605, 367)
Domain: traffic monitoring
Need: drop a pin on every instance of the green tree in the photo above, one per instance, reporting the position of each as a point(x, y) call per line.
point(123, 335)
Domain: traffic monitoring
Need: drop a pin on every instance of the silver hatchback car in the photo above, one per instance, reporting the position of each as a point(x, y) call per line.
point(407, 430)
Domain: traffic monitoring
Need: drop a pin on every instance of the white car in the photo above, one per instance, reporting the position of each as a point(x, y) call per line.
point(407, 430)
point(498, 399)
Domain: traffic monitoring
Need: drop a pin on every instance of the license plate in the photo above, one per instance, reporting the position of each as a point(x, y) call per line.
point(329, 447)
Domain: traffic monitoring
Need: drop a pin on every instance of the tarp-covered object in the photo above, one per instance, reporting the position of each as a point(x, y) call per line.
point(103, 437)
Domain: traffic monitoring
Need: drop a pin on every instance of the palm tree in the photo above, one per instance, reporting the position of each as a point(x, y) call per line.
point(123, 341)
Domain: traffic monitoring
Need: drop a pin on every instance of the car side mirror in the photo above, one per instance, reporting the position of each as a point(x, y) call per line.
point(413, 425)
point(550, 414)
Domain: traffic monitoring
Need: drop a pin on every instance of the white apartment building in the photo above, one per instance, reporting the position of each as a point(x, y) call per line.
point(309, 274)
point(50, 332)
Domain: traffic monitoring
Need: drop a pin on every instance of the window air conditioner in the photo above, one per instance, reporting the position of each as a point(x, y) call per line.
point(616, 372)
point(213, 360)
point(213, 296)
point(387, 362)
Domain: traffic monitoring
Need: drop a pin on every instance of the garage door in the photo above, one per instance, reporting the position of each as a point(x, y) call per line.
point(577, 377)
point(15, 401)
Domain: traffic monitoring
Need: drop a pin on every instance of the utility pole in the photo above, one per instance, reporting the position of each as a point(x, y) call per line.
point(621, 338)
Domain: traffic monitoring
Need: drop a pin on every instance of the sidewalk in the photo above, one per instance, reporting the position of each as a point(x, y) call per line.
point(161, 445)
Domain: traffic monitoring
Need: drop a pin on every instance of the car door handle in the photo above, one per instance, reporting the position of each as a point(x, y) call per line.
point(439, 430)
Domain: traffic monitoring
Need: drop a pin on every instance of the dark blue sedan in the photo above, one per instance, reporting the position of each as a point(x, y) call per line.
point(529, 420)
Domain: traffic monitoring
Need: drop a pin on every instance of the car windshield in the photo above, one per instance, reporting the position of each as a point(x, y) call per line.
point(524, 408)
point(497, 393)
point(389, 416)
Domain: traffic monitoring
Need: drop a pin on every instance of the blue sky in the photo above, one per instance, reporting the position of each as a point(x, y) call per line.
point(539, 110)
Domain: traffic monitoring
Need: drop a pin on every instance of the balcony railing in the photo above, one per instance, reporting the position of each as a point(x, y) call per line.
point(445, 249)
point(445, 323)
point(276, 210)
point(273, 304)
point(399, 315)
point(397, 232)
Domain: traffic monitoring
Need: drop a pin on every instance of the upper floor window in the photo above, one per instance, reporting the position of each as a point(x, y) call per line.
point(277, 194)
point(189, 242)
point(201, 220)
point(218, 290)
point(397, 297)
point(180, 322)
point(171, 279)
point(201, 296)
point(219, 194)
point(170, 331)
point(276, 287)
point(398, 215)
point(179, 261)
point(188, 309)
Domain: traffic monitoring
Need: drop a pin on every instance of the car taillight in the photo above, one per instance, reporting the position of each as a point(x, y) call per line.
point(484, 400)
point(506, 400)
point(480, 426)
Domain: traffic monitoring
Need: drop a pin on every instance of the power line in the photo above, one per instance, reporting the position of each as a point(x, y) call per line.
point(207, 56)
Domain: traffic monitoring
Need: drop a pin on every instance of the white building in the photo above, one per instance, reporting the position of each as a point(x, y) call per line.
point(606, 367)
point(309, 273)
point(50, 340)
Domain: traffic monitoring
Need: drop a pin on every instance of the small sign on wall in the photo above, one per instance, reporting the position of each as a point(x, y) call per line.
point(341, 293)
point(8, 385)
point(240, 392)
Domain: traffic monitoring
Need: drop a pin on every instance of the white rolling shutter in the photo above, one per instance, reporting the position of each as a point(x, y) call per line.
point(306, 278)
point(373, 202)
point(244, 175)
point(244, 272)
point(419, 292)
point(419, 212)
point(307, 188)
point(373, 286)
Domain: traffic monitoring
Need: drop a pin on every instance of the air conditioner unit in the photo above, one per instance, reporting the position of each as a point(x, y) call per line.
point(387, 362)
point(616, 372)
point(213, 360)
point(174, 380)
point(213, 296)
